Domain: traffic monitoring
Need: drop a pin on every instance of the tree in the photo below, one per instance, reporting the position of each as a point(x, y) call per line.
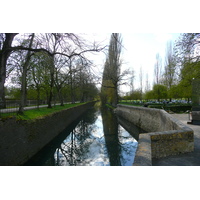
point(132, 77)
point(6, 40)
point(159, 92)
point(24, 76)
point(187, 48)
point(157, 70)
point(176, 91)
point(53, 44)
point(187, 56)
point(40, 74)
point(170, 68)
point(149, 95)
point(147, 86)
point(141, 82)
point(188, 73)
point(136, 94)
point(111, 74)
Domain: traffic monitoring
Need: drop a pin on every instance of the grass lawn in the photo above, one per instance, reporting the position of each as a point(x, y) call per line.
point(37, 113)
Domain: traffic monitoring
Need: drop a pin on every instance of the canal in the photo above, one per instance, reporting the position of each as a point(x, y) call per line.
point(95, 139)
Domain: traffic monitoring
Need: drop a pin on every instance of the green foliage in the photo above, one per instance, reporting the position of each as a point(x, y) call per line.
point(13, 93)
point(149, 95)
point(135, 95)
point(175, 92)
point(189, 72)
point(160, 91)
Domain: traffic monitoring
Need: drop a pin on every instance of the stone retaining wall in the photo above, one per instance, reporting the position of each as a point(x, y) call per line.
point(166, 135)
point(20, 139)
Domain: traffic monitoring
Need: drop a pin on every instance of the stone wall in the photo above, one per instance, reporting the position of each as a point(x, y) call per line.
point(165, 135)
point(20, 139)
point(196, 117)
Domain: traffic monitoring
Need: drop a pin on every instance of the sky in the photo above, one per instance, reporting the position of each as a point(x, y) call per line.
point(139, 51)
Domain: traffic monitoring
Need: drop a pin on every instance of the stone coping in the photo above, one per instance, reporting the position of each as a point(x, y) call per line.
point(168, 137)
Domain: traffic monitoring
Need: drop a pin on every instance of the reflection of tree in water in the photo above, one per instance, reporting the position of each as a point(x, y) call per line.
point(110, 127)
point(75, 147)
point(128, 147)
point(120, 148)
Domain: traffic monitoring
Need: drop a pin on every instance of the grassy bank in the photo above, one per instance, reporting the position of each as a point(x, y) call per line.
point(37, 113)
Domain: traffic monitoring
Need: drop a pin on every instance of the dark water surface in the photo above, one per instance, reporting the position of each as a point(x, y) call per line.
point(95, 139)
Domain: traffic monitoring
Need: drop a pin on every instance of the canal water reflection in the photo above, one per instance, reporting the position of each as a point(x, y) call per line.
point(96, 139)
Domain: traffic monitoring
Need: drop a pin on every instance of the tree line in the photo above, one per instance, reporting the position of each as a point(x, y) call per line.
point(46, 66)
point(173, 78)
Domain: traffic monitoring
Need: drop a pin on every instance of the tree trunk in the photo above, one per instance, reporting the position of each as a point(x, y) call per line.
point(72, 94)
point(4, 55)
point(71, 84)
point(38, 97)
point(51, 83)
point(23, 90)
point(60, 97)
point(24, 80)
point(115, 96)
point(50, 99)
point(2, 81)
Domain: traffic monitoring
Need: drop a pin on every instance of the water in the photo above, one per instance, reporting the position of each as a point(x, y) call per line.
point(96, 139)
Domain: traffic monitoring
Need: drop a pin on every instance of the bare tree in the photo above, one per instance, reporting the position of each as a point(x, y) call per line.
point(157, 69)
point(147, 85)
point(24, 76)
point(187, 48)
point(132, 77)
point(66, 44)
point(141, 82)
point(170, 67)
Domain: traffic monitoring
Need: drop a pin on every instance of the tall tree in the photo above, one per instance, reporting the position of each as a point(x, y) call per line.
point(147, 85)
point(141, 82)
point(132, 77)
point(157, 72)
point(112, 68)
point(157, 69)
point(170, 67)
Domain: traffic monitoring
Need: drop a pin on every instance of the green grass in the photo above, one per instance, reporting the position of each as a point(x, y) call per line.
point(38, 113)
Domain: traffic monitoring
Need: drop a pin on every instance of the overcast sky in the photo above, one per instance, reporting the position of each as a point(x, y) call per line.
point(139, 50)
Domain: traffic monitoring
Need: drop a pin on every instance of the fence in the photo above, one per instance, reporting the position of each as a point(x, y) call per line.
point(12, 106)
